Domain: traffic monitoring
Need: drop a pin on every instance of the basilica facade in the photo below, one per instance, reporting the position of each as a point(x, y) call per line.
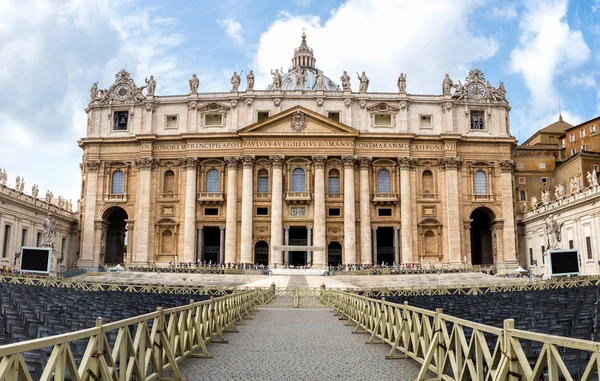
point(370, 177)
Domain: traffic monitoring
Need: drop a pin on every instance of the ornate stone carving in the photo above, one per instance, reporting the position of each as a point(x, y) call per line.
point(194, 84)
point(150, 107)
point(94, 92)
point(49, 233)
point(320, 80)
point(277, 102)
point(592, 178)
point(477, 89)
point(403, 105)
point(382, 107)
point(545, 197)
point(123, 90)
point(49, 196)
point(407, 162)
point(262, 229)
point(146, 163)
point(574, 185)
point(348, 161)
point(319, 161)
point(334, 230)
point(446, 106)
point(534, 202)
point(92, 165)
point(449, 163)
point(298, 121)
point(506, 165)
point(3, 176)
point(276, 161)
point(364, 82)
point(362, 104)
point(232, 161)
point(553, 234)
point(234, 103)
point(249, 102)
point(447, 85)
point(364, 162)
point(348, 103)
point(247, 161)
point(188, 163)
point(319, 102)
point(35, 190)
point(298, 211)
point(193, 105)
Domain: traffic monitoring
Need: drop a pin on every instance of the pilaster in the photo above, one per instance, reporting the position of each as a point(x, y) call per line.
point(276, 208)
point(91, 189)
point(366, 254)
point(453, 218)
point(142, 250)
point(405, 164)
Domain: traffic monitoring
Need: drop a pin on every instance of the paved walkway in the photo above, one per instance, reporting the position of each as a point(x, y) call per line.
point(284, 343)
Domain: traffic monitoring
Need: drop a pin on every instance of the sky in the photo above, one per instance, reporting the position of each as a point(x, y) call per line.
point(547, 53)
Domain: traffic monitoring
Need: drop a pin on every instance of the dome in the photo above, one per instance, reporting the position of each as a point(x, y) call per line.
point(303, 73)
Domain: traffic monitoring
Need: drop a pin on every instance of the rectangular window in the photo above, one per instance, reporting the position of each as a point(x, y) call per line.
point(262, 211)
point(262, 115)
point(334, 212)
point(63, 243)
point(426, 121)
point(477, 120)
point(542, 165)
point(24, 238)
point(520, 165)
point(582, 134)
point(572, 138)
point(543, 180)
point(584, 147)
point(334, 115)
point(522, 195)
point(592, 128)
point(521, 180)
point(383, 120)
point(120, 120)
point(38, 240)
point(211, 211)
point(263, 185)
point(6, 241)
point(171, 122)
point(596, 168)
point(543, 251)
point(334, 185)
point(213, 120)
point(531, 256)
point(384, 212)
point(570, 244)
point(588, 245)
point(573, 151)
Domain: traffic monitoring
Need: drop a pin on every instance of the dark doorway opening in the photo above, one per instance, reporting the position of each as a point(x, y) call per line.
point(211, 244)
point(261, 253)
point(385, 245)
point(116, 236)
point(482, 252)
point(298, 237)
point(334, 254)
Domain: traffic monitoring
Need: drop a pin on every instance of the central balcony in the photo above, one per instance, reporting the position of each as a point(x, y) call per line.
point(211, 197)
point(168, 197)
point(385, 198)
point(263, 196)
point(298, 197)
point(109, 197)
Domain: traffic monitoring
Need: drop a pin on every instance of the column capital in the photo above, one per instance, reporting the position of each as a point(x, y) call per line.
point(348, 161)
point(232, 161)
point(309, 227)
point(364, 162)
point(506, 165)
point(146, 163)
point(200, 227)
point(396, 228)
point(319, 161)
point(374, 228)
point(92, 165)
point(188, 163)
point(286, 227)
point(407, 162)
point(221, 227)
point(277, 161)
point(449, 163)
point(247, 161)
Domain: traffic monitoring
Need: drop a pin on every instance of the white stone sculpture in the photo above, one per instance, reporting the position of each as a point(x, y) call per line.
point(49, 196)
point(534, 202)
point(94, 91)
point(194, 84)
point(447, 85)
point(320, 80)
point(545, 197)
point(250, 81)
point(61, 202)
point(276, 79)
point(364, 82)
point(345, 79)
point(300, 73)
point(594, 177)
point(235, 82)
point(49, 233)
point(70, 207)
point(557, 192)
point(3, 176)
point(553, 235)
point(524, 206)
point(402, 83)
point(35, 191)
point(574, 185)
point(18, 183)
point(150, 85)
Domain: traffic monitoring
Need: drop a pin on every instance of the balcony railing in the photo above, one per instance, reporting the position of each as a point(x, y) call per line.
point(385, 198)
point(428, 196)
point(262, 196)
point(298, 196)
point(168, 197)
point(482, 197)
point(335, 196)
point(211, 197)
point(116, 197)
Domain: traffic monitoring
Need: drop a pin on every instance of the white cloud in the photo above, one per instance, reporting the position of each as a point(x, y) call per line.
point(508, 11)
point(585, 80)
point(596, 5)
point(233, 30)
point(424, 39)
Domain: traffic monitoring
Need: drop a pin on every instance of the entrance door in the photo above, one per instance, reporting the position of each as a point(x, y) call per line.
point(334, 254)
point(212, 244)
point(385, 245)
point(481, 238)
point(261, 253)
point(298, 236)
point(116, 236)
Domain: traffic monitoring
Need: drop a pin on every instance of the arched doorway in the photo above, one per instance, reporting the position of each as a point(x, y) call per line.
point(261, 253)
point(482, 249)
point(115, 244)
point(334, 254)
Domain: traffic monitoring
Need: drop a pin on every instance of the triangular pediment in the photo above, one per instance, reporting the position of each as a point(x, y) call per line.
point(298, 121)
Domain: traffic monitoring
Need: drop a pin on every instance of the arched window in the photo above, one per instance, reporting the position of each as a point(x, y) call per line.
point(298, 180)
point(169, 182)
point(117, 182)
point(213, 181)
point(263, 181)
point(480, 183)
point(427, 182)
point(383, 181)
point(334, 181)
point(167, 242)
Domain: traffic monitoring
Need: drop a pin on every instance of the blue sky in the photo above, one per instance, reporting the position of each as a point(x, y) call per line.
point(52, 51)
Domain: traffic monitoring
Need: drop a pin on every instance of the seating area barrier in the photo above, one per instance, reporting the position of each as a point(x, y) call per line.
point(456, 349)
point(425, 270)
point(146, 346)
point(185, 269)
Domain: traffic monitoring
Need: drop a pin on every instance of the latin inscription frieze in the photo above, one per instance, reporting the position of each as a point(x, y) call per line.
point(297, 144)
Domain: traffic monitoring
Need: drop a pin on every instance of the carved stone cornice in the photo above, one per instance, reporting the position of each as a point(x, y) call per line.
point(188, 163)
point(276, 161)
point(247, 161)
point(232, 161)
point(319, 161)
point(447, 163)
point(348, 161)
point(506, 165)
point(146, 163)
point(407, 162)
point(92, 165)
point(364, 162)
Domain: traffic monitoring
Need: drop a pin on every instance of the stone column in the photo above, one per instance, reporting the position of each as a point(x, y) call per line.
point(247, 196)
point(453, 218)
point(91, 187)
point(200, 241)
point(365, 211)
point(510, 250)
point(374, 244)
point(276, 207)
point(142, 220)
point(396, 245)
point(287, 242)
point(231, 216)
point(189, 164)
point(349, 212)
point(318, 258)
point(309, 243)
point(405, 164)
point(222, 244)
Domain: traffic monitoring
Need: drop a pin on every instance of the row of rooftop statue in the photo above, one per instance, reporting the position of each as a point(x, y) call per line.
point(560, 191)
point(475, 87)
point(62, 203)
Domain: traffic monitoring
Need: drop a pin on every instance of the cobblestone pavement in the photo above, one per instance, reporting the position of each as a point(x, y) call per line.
point(283, 343)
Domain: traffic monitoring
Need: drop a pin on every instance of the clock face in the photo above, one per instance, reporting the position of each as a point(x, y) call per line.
point(476, 90)
point(122, 91)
